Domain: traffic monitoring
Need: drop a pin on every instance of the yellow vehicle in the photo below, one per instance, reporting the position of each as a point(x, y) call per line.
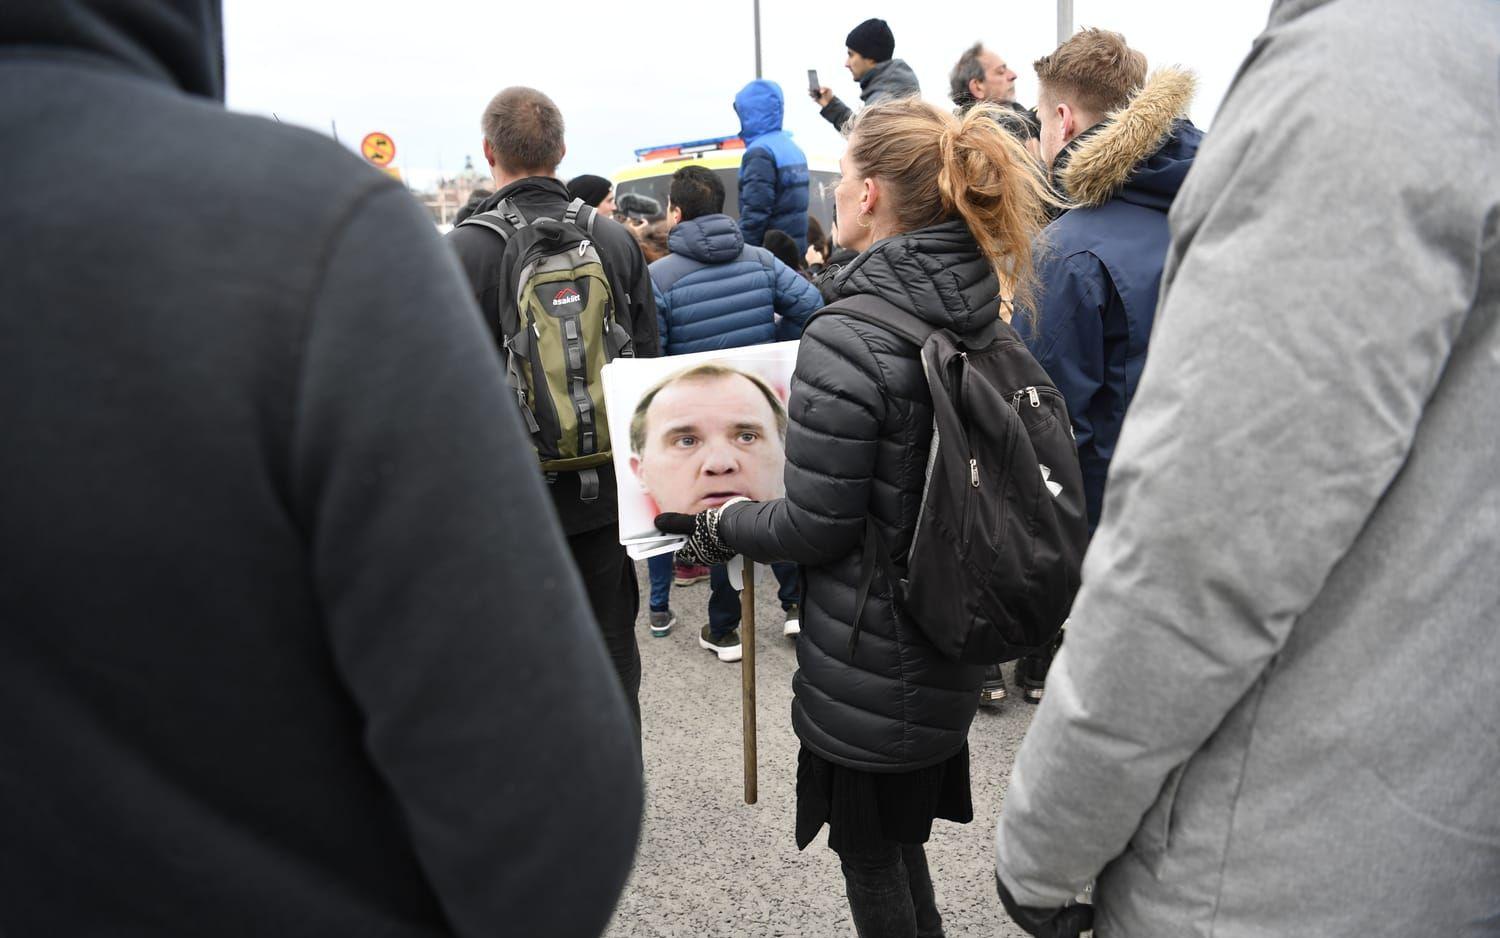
point(651, 174)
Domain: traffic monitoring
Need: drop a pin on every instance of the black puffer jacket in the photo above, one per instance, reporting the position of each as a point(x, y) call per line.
point(861, 422)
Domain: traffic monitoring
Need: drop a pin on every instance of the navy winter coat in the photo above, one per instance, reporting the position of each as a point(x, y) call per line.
point(773, 172)
point(1100, 271)
point(714, 291)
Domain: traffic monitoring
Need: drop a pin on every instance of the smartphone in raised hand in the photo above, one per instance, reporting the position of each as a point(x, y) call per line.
point(813, 87)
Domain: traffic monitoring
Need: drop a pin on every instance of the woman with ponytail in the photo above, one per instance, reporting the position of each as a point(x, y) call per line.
point(942, 211)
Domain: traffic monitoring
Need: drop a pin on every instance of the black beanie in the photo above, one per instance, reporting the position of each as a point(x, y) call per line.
point(591, 189)
point(872, 39)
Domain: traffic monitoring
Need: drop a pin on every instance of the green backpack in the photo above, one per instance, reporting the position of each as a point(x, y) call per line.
point(558, 328)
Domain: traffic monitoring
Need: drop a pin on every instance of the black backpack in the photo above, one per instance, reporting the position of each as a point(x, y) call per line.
point(558, 327)
point(995, 558)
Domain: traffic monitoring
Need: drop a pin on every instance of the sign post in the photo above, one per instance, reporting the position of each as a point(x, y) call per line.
point(747, 676)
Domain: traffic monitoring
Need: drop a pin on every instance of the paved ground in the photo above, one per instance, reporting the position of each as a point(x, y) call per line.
point(711, 865)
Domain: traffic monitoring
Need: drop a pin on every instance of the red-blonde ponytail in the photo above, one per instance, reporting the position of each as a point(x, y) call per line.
point(941, 168)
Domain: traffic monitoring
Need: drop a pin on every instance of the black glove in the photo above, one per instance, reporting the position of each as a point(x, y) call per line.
point(1070, 921)
point(702, 531)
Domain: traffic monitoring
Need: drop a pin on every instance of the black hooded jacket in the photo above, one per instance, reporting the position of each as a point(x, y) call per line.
point(860, 423)
point(274, 657)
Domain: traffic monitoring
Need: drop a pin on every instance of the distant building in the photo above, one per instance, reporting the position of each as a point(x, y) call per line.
point(451, 192)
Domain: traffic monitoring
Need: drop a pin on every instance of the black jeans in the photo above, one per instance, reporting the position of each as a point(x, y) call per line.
point(724, 599)
point(890, 892)
point(609, 579)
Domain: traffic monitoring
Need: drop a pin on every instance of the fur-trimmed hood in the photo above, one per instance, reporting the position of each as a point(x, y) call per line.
point(1144, 148)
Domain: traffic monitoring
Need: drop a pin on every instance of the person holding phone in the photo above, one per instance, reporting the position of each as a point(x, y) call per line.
point(870, 46)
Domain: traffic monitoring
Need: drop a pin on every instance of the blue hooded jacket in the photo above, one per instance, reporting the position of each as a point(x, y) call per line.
point(714, 291)
point(1099, 268)
point(773, 172)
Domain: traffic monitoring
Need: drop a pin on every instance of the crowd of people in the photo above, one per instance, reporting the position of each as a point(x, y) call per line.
point(314, 615)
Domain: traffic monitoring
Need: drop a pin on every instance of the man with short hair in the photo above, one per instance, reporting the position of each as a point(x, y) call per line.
point(698, 439)
point(716, 292)
point(278, 653)
point(870, 47)
point(1119, 147)
point(523, 143)
point(707, 434)
point(982, 77)
point(1277, 711)
point(773, 169)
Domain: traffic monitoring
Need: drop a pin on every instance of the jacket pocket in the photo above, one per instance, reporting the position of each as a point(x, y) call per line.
point(1155, 833)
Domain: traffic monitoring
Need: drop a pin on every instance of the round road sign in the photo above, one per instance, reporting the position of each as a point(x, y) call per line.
point(378, 148)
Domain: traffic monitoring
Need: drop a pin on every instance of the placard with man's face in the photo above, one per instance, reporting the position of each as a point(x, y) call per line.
point(691, 432)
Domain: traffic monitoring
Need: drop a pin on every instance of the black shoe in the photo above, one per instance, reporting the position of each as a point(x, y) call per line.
point(993, 689)
point(1031, 676)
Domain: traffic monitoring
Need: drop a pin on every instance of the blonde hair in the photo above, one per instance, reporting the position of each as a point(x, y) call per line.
point(944, 168)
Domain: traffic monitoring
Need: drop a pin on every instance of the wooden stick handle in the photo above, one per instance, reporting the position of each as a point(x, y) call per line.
point(747, 677)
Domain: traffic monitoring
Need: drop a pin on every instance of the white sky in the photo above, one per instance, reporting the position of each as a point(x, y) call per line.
point(654, 71)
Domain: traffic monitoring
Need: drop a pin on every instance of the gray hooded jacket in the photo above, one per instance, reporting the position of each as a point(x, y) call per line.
point(887, 81)
point(1277, 711)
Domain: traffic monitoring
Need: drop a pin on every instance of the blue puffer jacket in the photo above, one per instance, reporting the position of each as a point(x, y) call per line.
point(714, 291)
point(1100, 272)
point(773, 172)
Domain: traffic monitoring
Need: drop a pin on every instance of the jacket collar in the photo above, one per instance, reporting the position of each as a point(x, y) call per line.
point(892, 75)
point(528, 190)
point(936, 274)
point(1102, 160)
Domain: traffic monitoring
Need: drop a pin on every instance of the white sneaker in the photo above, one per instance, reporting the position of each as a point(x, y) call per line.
point(727, 648)
point(793, 625)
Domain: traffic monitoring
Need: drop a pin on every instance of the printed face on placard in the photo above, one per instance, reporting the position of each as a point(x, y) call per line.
point(707, 438)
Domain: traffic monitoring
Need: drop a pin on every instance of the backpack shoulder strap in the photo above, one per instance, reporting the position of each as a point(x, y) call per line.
point(507, 210)
point(492, 220)
point(579, 209)
point(883, 313)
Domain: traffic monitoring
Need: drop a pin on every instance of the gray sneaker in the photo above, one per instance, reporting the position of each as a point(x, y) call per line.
point(662, 622)
point(793, 626)
point(727, 647)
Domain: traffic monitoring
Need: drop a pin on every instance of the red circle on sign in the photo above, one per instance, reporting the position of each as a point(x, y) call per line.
point(378, 148)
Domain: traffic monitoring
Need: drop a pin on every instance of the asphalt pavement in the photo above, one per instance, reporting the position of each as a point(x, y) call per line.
point(711, 865)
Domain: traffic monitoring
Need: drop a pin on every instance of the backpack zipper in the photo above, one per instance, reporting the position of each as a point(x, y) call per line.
point(1031, 392)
